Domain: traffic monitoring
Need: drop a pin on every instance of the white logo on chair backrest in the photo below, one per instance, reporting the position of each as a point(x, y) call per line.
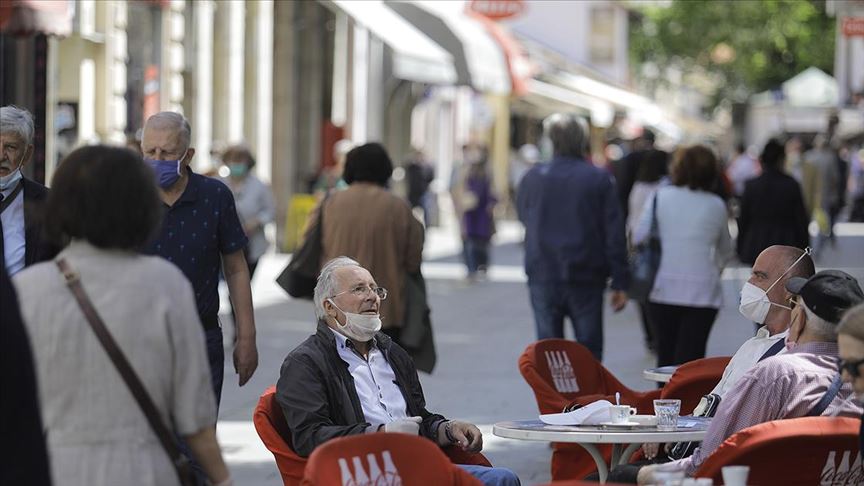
point(844, 474)
point(562, 372)
point(374, 477)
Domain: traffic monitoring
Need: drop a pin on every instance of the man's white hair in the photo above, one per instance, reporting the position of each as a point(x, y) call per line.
point(821, 328)
point(326, 286)
point(17, 120)
point(172, 121)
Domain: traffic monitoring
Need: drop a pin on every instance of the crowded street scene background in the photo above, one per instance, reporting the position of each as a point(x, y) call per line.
point(263, 242)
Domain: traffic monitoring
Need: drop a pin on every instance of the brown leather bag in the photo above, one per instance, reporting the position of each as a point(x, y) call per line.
point(166, 437)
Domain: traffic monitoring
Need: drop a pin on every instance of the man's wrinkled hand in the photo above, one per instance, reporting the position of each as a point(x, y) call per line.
point(245, 359)
point(646, 475)
point(650, 450)
point(618, 300)
point(467, 436)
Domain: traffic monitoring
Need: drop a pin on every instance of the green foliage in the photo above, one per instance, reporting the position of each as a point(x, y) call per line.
point(762, 43)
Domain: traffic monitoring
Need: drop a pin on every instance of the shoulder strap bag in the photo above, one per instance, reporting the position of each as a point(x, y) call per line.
point(166, 437)
point(645, 260)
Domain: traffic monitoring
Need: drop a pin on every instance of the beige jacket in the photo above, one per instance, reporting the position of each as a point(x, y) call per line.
point(371, 225)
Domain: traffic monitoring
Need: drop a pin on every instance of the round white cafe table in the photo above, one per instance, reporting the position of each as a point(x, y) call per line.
point(661, 375)
point(588, 436)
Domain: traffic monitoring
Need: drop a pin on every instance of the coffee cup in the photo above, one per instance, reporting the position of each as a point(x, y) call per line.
point(735, 475)
point(620, 414)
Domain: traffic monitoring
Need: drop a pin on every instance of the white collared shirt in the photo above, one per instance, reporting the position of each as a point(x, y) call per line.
point(375, 382)
point(14, 240)
point(746, 358)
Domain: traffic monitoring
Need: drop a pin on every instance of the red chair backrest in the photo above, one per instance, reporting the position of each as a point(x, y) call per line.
point(694, 379)
point(384, 458)
point(273, 430)
point(800, 451)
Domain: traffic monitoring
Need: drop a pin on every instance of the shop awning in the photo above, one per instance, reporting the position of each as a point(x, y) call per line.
point(27, 17)
point(415, 56)
point(479, 60)
point(554, 98)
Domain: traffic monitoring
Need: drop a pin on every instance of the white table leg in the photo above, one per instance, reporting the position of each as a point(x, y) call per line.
point(602, 468)
point(628, 451)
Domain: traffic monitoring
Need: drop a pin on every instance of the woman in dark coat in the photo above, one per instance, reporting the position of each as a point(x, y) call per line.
point(772, 208)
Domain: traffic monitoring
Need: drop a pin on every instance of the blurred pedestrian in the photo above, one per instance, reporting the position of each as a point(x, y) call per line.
point(742, 168)
point(694, 235)
point(26, 463)
point(104, 199)
point(830, 187)
point(650, 175)
point(477, 220)
point(772, 208)
point(574, 237)
point(377, 228)
point(627, 168)
point(253, 200)
point(201, 230)
point(419, 174)
point(856, 174)
point(22, 199)
point(331, 178)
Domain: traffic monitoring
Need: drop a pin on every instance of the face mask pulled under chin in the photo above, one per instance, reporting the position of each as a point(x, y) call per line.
point(8, 181)
point(359, 327)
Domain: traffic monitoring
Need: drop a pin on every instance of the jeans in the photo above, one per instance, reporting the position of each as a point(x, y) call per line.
point(476, 254)
point(492, 476)
point(216, 357)
point(583, 304)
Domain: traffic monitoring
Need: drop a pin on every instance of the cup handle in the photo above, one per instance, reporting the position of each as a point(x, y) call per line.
point(632, 411)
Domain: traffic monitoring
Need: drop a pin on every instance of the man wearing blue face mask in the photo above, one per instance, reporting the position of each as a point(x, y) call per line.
point(200, 230)
point(350, 378)
point(21, 199)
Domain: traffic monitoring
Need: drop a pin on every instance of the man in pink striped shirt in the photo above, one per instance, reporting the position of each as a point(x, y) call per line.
point(790, 385)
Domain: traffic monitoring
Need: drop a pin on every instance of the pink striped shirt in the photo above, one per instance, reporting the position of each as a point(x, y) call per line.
point(780, 387)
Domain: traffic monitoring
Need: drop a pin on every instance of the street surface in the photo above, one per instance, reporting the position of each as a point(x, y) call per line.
point(480, 331)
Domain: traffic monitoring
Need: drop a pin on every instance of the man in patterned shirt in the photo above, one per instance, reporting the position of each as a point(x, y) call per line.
point(790, 385)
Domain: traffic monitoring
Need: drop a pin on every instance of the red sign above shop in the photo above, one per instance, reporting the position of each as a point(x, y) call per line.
point(853, 26)
point(497, 9)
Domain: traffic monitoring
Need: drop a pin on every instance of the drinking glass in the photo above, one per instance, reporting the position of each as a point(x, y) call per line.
point(667, 414)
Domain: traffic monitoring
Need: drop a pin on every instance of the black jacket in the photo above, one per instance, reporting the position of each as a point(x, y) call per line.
point(318, 397)
point(772, 213)
point(36, 247)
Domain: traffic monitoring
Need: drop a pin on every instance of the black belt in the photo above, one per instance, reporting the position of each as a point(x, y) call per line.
point(210, 322)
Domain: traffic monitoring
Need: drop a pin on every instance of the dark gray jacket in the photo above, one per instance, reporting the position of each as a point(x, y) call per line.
point(319, 400)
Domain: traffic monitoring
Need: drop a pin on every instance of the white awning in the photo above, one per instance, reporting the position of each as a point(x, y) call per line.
point(415, 56)
point(553, 97)
point(484, 66)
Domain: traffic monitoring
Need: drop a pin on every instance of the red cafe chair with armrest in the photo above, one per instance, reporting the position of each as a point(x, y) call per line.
point(384, 458)
point(800, 451)
point(274, 433)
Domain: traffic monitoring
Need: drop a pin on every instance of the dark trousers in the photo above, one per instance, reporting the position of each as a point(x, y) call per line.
point(647, 326)
point(582, 304)
point(475, 251)
point(682, 332)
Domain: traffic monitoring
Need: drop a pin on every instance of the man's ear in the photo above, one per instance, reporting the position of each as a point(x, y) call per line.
point(190, 152)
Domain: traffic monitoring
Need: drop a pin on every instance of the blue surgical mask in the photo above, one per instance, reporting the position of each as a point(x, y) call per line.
point(167, 171)
point(237, 170)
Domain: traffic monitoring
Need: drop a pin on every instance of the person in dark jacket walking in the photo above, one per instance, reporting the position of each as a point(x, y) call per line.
point(349, 378)
point(772, 208)
point(574, 237)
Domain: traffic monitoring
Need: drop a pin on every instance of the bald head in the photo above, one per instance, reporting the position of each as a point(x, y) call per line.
point(171, 122)
point(786, 256)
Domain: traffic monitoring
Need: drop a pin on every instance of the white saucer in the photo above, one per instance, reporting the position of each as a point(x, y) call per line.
point(621, 424)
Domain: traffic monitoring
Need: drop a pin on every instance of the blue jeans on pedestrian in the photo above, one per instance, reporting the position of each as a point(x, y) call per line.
point(475, 251)
point(216, 358)
point(492, 476)
point(583, 304)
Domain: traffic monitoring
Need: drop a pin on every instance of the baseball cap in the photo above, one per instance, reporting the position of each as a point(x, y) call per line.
point(828, 293)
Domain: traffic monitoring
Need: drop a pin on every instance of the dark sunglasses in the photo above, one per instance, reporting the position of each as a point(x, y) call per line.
point(851, 367)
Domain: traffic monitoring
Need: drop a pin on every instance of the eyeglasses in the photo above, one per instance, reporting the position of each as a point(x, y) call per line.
point(363, 291)
point(851, 367)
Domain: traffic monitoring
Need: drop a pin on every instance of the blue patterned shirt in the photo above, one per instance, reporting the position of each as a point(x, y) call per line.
point(196, 231)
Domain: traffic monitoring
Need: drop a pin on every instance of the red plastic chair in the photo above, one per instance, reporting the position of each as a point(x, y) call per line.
point(384, 458)
point(691, 381)
point(273, 430)
point(800, 451)
point(561, 372)
point(274, 433)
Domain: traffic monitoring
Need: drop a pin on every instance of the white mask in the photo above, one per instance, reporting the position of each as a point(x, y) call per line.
point(8, 181)
point(359, 327)
point(755, 303)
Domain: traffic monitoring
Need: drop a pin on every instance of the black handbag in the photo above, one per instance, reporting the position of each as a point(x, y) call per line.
point(301, 274)
point(645, 260)
point(182, 465)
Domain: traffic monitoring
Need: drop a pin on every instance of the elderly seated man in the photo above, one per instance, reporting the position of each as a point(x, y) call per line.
point(350, 378)
point(804, 381)
point(850, 341)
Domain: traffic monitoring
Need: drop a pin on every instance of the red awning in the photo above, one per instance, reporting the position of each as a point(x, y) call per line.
point(521, 70)
point(28, 17)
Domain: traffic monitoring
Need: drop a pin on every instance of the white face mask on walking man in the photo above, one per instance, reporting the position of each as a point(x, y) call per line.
point(755, 303)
